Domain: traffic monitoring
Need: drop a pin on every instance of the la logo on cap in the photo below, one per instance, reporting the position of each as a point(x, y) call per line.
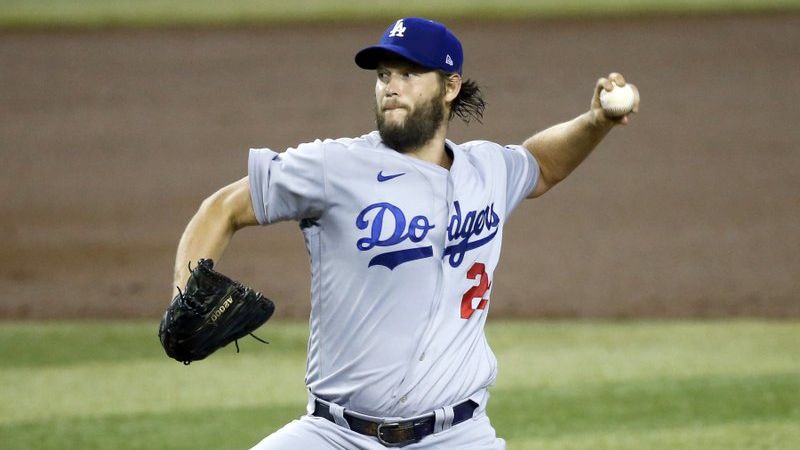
point(448, 60)
point(398, 29)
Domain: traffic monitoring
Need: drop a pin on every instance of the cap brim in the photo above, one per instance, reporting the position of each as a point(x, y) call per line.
point(370, 57)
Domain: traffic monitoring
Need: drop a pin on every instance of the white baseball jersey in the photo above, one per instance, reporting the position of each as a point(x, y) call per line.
point(402, 255)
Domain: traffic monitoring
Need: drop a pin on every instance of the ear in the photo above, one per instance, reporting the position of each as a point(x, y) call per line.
point(452, 86)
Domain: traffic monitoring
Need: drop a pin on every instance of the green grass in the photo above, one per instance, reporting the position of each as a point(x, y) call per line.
point(104, 13)
point(561, 385)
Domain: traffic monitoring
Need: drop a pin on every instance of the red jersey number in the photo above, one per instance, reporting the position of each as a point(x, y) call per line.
point(475, 292)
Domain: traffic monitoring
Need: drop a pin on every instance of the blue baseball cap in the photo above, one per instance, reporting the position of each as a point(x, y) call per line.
point(422, 41)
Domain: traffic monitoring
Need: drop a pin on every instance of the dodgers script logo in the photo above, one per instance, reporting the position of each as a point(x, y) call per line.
point(375, 217)
point(466, 227)
point(388, 226)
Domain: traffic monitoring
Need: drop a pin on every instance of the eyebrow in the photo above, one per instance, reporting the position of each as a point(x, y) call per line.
point(401, 64)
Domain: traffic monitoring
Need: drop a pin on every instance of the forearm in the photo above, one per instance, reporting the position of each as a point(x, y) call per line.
point(561, 148)
point(212, 227)
point(206, 236)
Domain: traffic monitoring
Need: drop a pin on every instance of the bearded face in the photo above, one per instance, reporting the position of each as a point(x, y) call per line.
point(415, 128)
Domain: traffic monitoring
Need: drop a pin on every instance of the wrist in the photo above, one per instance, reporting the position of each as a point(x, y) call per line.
point(597, 120)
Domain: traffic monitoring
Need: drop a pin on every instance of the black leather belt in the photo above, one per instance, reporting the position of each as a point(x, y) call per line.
point(400, 433)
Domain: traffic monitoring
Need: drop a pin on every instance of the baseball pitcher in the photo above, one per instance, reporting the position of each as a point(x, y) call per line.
point(404, 229)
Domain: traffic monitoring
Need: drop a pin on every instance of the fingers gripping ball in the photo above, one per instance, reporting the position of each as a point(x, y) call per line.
point(618, 101)
point(212, 311)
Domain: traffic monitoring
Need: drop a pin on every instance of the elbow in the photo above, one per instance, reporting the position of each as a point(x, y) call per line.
point(217, 209)
point(230, 207)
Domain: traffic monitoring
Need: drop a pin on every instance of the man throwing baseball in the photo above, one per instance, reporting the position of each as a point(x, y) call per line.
point(403, 228)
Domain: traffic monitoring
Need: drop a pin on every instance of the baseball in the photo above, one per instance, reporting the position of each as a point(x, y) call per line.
point(618, 101)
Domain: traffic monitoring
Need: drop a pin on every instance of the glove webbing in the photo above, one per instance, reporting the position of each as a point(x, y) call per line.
point(235, 341)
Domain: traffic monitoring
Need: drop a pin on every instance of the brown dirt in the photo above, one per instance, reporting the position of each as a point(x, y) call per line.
point(110, 140)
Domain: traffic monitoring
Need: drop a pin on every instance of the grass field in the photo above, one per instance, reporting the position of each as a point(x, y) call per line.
point(562, 385)
point(102, 13)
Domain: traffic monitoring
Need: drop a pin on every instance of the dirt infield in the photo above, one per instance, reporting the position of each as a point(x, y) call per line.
point(109, 141)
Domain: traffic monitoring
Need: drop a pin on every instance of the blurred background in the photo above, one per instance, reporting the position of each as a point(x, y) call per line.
point(118, 118)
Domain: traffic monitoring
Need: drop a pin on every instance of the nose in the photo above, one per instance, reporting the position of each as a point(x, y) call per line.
point(391, 87)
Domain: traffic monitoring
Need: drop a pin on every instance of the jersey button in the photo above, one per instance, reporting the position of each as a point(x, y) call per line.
point(422, 357)
point(403, 399)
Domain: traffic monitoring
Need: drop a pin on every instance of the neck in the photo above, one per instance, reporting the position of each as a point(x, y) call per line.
point(434, 150)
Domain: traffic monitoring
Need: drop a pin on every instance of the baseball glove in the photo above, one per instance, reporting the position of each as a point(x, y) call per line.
point(211, 312)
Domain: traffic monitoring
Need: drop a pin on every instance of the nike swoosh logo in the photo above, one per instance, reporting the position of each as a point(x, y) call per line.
point(382, 177)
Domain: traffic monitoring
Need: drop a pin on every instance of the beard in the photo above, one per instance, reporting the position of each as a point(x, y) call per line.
point(418, 128)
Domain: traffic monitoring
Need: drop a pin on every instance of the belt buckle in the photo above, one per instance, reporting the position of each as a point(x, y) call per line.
point(409, 426)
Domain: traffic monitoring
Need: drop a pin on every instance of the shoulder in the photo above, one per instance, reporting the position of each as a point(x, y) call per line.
point(492, 154)
point(482, 152)
point(365, 142)
point(480, 146)
point(488, 149)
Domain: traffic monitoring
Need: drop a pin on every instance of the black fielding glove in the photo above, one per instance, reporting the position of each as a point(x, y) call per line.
point(211, 312)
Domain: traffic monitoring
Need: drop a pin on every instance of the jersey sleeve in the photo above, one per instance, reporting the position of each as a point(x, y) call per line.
point(288, 185)
point(522, 173)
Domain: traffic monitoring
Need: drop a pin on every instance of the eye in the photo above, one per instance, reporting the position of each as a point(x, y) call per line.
point(383, 75)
